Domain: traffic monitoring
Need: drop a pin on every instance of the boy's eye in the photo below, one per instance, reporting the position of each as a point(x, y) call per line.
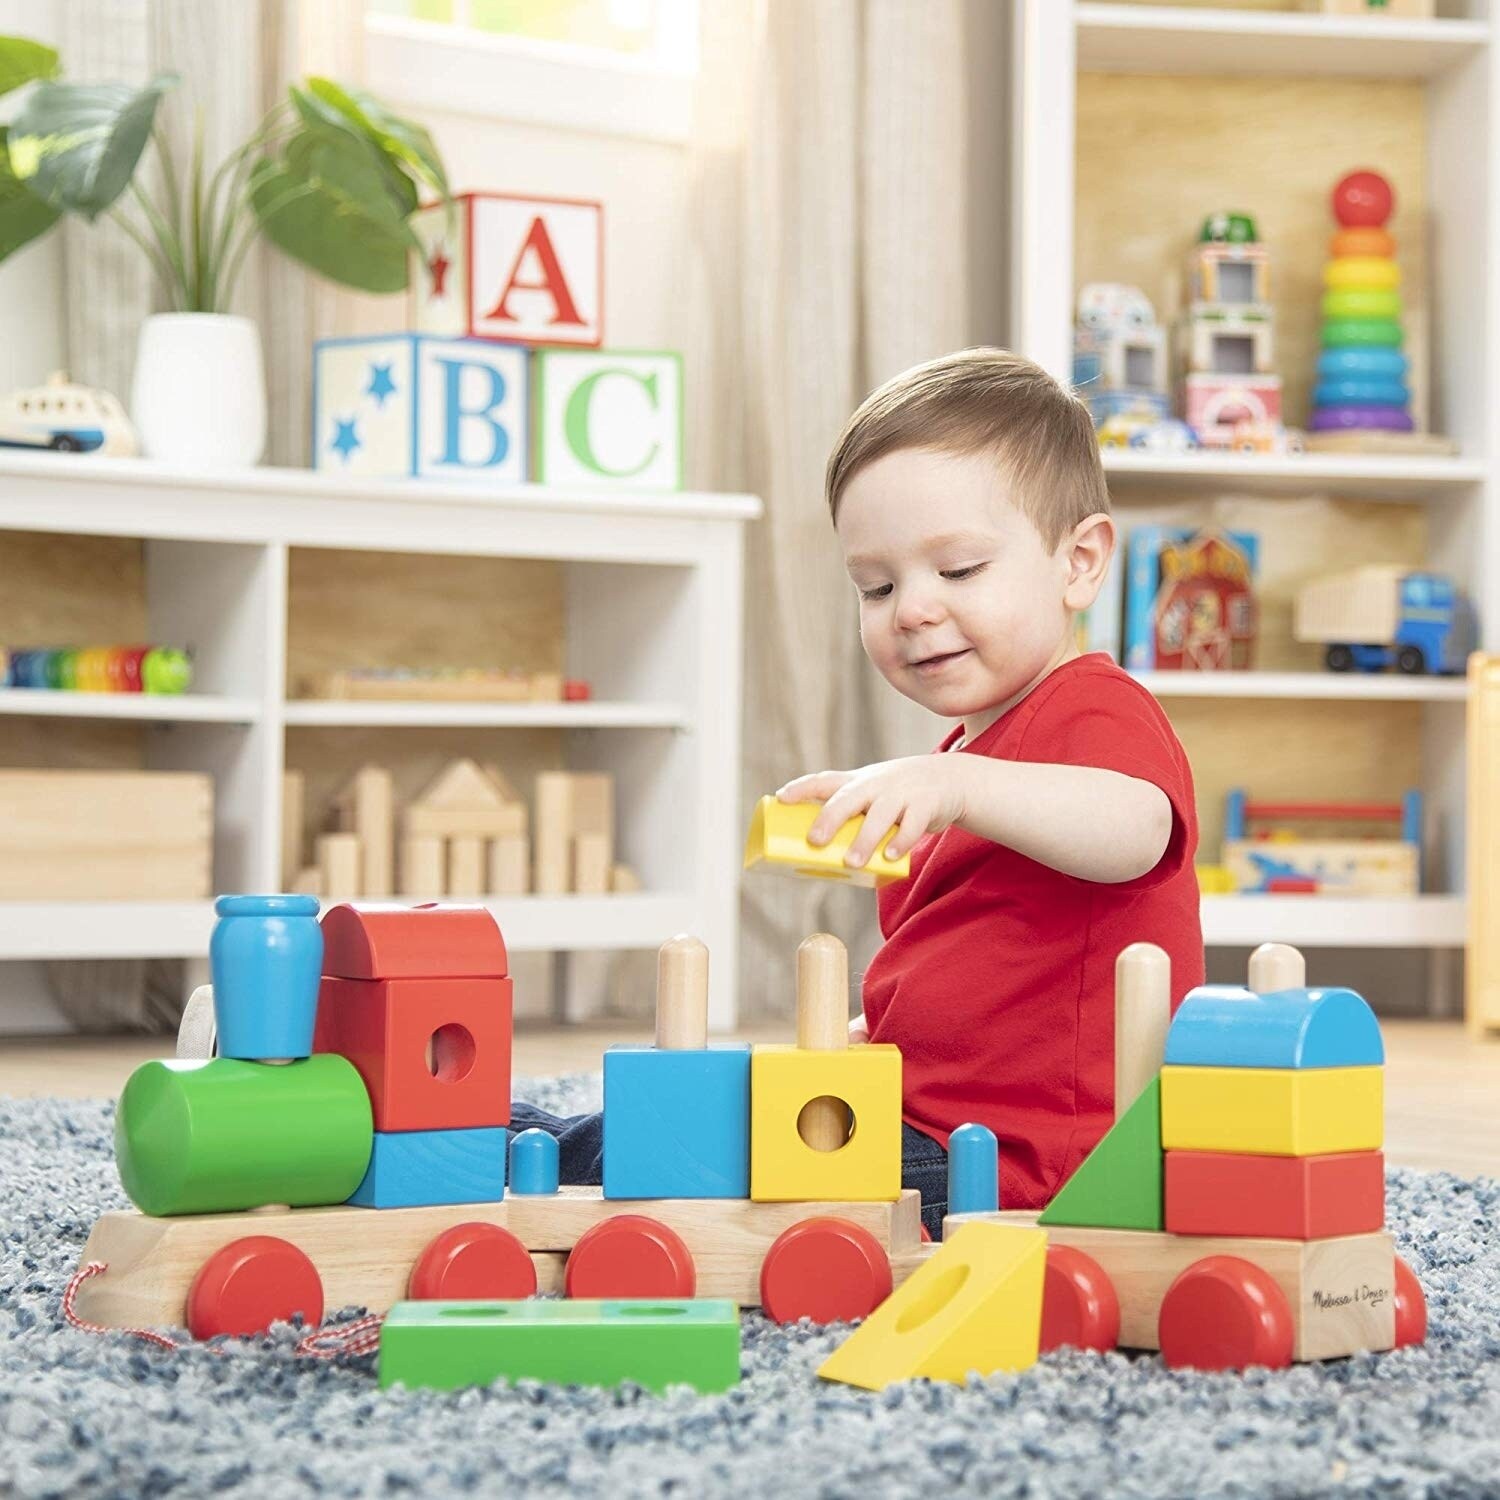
point(969, 572)
point(878, 592)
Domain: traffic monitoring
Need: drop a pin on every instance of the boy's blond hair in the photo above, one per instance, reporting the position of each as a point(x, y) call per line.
point(985, 401)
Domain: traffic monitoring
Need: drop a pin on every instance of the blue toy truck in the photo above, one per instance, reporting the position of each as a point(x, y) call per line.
point(1374, 618)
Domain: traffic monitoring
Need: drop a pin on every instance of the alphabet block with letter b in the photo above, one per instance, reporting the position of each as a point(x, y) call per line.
point(609, 417)
point(503, 266)
point(399, 405)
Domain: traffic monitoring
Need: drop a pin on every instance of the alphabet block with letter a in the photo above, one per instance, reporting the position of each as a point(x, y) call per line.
point(403, 404)
point(609, 417)
point(501, 266)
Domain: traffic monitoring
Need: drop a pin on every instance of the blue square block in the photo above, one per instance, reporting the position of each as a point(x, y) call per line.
point(400, 405)
point(416, 1168)
point(677, 1124)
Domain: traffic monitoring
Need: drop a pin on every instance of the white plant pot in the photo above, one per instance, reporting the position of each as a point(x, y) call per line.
point(199, 395)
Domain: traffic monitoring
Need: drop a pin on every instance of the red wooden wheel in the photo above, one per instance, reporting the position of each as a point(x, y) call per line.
point(828, 1270)
point(630, 1256)
point(1411, 1307)
point(473, 1261)
point(1224, 1313)
point(250, 1283)
point(1079, 1305)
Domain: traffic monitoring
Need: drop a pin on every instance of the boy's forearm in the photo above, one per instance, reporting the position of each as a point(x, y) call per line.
point(1094, 824)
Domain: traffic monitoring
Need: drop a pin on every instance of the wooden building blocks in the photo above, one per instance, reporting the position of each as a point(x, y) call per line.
point(848, 1144)
point(778, 839)
point(1301, 1028)
point(574, 832)
point(265, 956)
point(680, 1091)
point(1282, 1197)
point(1272, 1111)
point(339, 859)
point(1119, 1184)
point(655, 1344)
point(975, 1307)
point(366, 809)
point(381, 941)
point(533, 1165)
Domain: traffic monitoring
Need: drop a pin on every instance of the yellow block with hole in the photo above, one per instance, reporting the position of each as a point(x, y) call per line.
point(778, 837)
point(1272, 1111)
point(974, 1307)
point(783, 1167)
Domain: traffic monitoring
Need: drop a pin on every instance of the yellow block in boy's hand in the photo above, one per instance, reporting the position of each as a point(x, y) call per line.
point(778, 836)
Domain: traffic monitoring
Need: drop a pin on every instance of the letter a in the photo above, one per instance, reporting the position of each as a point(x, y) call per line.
point(553, 281)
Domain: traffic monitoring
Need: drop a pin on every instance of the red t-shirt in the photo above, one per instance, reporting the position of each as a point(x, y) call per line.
point(996, 978)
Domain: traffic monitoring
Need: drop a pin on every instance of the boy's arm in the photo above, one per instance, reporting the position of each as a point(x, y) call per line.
point(1094, 824)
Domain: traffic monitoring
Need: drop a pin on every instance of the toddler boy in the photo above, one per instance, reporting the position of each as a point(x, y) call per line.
point(1055, 825)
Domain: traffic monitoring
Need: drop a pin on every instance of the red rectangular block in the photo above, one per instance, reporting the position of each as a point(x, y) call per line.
point(434, 1053)
point(1278, 1197)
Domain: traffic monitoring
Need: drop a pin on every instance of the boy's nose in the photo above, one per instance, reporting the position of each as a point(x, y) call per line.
point(917, 607)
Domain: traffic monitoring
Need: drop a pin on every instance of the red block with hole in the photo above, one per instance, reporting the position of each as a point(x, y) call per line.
point(438, 940)
point(434, 1053)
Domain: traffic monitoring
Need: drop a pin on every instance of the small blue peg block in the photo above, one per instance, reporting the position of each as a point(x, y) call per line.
point(973, 1171)
point(533, 1163)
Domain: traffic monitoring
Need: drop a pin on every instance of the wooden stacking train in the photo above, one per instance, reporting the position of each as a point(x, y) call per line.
point(348, 1146)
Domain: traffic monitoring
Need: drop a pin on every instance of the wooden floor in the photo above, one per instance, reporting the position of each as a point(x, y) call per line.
point(1442, 1091)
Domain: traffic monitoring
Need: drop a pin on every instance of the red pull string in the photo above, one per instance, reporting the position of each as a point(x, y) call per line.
point(362, 1336)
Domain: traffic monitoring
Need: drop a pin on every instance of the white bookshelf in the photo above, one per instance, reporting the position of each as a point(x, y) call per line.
point(1452, 60)
point(653, 619)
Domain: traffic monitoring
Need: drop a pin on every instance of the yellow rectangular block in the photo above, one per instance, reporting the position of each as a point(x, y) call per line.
point(783, 1167)
point(778, 836)
point(1272, 1111)
point(974, 1307)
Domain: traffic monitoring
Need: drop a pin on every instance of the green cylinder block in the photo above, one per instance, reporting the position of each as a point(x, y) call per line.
point(225, 1135)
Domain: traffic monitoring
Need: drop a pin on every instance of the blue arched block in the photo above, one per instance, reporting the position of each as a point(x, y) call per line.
point(677, 1123)
point(1221, 1026)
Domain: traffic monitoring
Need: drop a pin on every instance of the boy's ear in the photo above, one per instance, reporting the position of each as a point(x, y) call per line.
point(1088, 550)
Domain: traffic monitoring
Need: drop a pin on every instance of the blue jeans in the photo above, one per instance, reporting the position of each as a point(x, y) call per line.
point(580, 1148)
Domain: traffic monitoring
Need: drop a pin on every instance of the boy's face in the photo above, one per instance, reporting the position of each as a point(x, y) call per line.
point(962, 606)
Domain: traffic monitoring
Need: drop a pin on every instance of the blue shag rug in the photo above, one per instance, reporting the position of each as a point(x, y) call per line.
point(83, 1416)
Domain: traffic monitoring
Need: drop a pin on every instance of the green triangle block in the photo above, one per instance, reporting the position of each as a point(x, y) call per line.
point(1118, 1185)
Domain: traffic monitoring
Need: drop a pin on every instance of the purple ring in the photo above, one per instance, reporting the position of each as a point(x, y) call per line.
point(1378, 418)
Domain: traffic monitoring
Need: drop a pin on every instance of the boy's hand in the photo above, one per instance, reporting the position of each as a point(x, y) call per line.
point(917, 794)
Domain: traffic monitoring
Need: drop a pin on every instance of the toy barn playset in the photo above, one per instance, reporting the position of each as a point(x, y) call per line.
point(1189, 599)
point(347, 1146)
point(501, 377)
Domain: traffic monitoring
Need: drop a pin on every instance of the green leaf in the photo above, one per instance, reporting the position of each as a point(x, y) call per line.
point(403, 141)
point(322, 114)
point(23, 216)
point(325, 202)
point(22, 61)
point(76, 145)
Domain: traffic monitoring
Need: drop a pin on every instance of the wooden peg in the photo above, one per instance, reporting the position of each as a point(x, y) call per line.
point(823, 1026)
point(1277, 966)
point(682, 995)
point(1143, 1011)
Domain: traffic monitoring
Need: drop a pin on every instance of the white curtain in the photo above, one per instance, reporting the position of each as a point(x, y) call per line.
point(235, 58)
point(830, 182)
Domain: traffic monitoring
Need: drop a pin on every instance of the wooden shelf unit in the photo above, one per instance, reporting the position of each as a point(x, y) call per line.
point(1109, 178)
point(647, 596)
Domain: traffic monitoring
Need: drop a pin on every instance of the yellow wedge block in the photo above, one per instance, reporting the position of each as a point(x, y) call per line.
point(1272, 1111)
point(778, 837)
point(783, 1167)
point(975, 1306)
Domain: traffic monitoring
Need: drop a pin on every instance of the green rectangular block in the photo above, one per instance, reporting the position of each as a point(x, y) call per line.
point(445, 1345)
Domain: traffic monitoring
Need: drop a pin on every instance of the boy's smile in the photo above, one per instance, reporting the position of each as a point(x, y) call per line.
point(963, 608)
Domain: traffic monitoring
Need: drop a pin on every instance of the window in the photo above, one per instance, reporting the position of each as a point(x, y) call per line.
point(622, 67)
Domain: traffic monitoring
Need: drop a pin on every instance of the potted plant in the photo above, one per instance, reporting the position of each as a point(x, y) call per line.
point(330, 177)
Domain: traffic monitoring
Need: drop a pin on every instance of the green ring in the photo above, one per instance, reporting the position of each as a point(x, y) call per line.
point(1375, 333)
